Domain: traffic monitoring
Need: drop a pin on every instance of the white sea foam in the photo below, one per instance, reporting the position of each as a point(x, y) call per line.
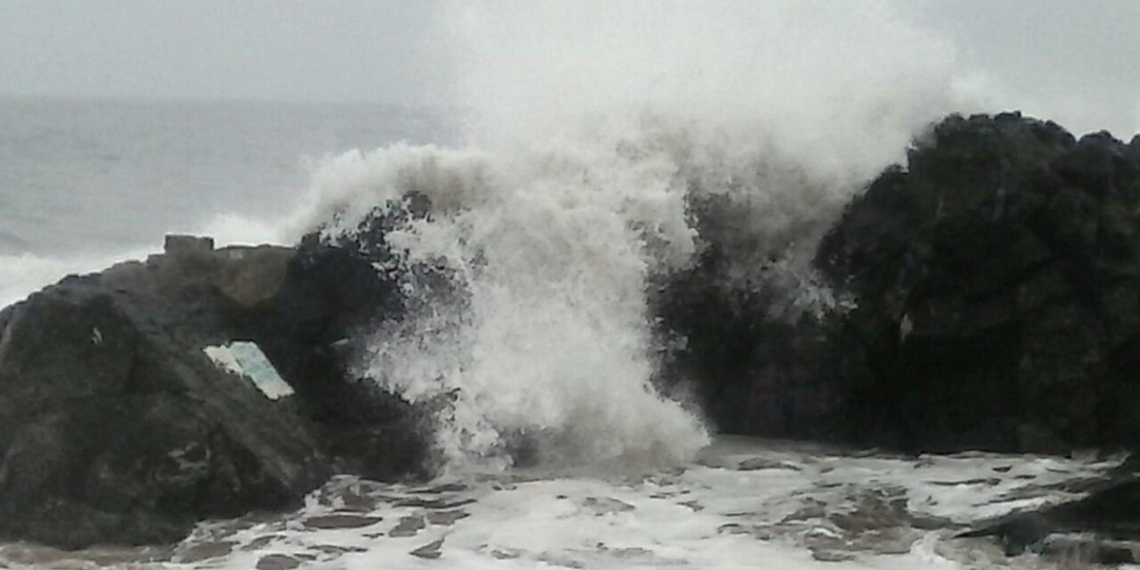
point(745, 505)
point(594, 127)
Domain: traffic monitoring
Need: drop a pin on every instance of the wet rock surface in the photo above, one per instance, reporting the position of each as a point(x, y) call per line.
point(1102, 527)
point(335, 521)
point(116, 427)
point(986, 295)
point(997, 288)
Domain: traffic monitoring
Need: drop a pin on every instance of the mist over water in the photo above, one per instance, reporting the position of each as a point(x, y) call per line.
point(594, 128)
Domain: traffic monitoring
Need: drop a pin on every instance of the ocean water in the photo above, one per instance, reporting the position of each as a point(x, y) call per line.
point(559, 194)
point(739, 504)
point(84, 183)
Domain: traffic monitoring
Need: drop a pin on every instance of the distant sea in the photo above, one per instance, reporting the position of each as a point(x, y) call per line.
point(83, 181)
point(79, 175)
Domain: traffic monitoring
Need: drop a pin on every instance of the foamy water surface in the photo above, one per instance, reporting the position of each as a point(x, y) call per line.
point(743, 504)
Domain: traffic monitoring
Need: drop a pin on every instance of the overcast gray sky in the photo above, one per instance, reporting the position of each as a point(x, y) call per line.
point(1076, 61)
point(296, 50)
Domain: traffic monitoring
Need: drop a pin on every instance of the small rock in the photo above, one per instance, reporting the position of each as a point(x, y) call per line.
point(261, 542)
point(338, 550)
point(278, 562)
point(446, 518)
point(205, 551)
point(443, 488)
point(832, 556)
point(431, 551)
point(408, 526)
point(760, 463)
point(420, 503)
point(989, 482)
point(340, 521)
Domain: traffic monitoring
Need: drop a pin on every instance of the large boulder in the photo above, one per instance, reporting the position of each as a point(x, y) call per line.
point(997, 282)
point(753, 365)
point(986, 296)
point(123, 420)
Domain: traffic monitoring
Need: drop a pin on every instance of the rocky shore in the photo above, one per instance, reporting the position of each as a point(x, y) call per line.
point(988, 299)
point(200, 383)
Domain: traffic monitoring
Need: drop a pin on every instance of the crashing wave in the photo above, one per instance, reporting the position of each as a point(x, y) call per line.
point(607, 155)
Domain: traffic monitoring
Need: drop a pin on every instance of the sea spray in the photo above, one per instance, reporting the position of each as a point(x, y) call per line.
point(596, 132)
point(546, 339)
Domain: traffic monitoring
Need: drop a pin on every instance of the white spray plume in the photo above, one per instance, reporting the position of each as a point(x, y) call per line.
point(594, 126)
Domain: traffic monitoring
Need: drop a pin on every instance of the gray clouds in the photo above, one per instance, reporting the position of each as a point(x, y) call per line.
point(1078, 62)
point(299, 50)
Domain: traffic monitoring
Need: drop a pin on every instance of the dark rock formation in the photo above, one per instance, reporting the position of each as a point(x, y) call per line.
point(997, 281)
point(1102, 528)
point(116, 427)
point(754, 368)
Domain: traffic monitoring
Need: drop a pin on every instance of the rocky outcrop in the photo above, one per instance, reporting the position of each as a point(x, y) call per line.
point(991, 300)
point(117, 426)
point(997, 281)
point(1102, 527)
point(754, 368)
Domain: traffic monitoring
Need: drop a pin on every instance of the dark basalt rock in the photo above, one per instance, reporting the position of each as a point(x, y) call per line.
point(997, 281)
point(115, 427)
point(753, 371)
point(1102, 528)
point(994, 288)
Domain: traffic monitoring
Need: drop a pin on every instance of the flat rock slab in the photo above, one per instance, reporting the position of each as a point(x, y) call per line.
point(446, 518)
point(261, 542)
point(762, 463)
point(430, 551)
point(35, 556)
point(408, 526)
point(205, 551)
point(335, 550)
point(340, 521)
point(421, 503)
point(443, 488)
point(278, 562)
